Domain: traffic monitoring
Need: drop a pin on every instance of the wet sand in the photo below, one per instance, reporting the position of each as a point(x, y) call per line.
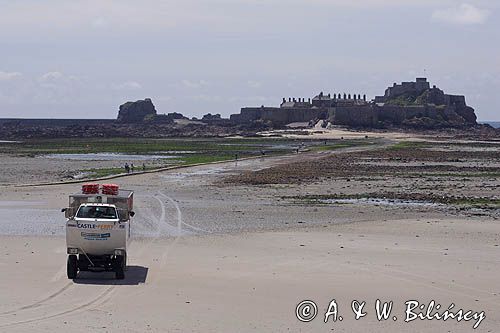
point(228, 258)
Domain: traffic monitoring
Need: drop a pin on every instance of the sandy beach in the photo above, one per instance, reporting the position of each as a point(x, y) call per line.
point(213, 253)
point(253, 282)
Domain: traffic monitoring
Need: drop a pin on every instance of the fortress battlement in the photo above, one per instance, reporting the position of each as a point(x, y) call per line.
point(406, 103)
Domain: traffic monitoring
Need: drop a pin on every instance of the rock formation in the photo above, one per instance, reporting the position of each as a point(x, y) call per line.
point(136, 112)
point(176, 115)
point(210, 116)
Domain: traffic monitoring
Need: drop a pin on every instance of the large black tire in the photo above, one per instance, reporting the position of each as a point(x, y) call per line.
point(120, 267)
point(83, 263)
point(72, 266)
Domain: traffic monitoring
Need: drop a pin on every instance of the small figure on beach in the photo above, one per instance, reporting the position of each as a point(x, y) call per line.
point(143, 167)
point(127, 168)
point(236, 156)
point(132, 166)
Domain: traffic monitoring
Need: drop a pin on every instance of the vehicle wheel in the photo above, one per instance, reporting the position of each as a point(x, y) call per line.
point(72, 267)
point(120, 267)
point(83, 263)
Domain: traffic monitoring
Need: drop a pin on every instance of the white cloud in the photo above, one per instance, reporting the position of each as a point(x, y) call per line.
point(127, 85)
point(7, 76)
point(58, 80)
point(194, 84)
point(463, 14)
point(51, 76)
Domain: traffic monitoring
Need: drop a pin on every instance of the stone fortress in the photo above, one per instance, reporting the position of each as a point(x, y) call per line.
point(409, 104)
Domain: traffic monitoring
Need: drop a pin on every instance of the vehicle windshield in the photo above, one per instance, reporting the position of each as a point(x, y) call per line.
point(97, 212)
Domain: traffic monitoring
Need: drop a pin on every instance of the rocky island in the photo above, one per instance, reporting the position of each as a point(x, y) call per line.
point(409, 106)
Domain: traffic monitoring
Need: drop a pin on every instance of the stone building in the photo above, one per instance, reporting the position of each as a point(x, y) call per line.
point(418, 87)
point(298, 109)
point(413, 104)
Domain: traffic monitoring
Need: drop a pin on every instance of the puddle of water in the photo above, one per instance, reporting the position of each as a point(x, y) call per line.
point(384, 202)
point(181, 175)
point(177, 152)
point(463, 148)
point(82, 175)
point(105, 157)
point(265, 146)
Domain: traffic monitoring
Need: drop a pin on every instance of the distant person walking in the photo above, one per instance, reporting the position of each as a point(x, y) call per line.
point(143, 167)
point(132, 166)
point(127, 168)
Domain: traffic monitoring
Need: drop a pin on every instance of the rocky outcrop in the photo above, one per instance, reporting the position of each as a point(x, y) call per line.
point(216, 119)
point(467, 113)
point(176, 115)
point(210, 116)
point(136, 112)
point(143, 111)
point(25, 129)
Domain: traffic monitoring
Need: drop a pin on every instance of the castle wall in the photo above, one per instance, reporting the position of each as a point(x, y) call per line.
point(369, 115)
point(353, 115)
point(405, 87)
point(457, 100)
point(279, 116)
point(436, 96)
point(247, 115)
point(397, 114)
point(292, 115)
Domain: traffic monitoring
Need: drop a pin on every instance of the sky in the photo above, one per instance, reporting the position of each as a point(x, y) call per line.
point(82, 59)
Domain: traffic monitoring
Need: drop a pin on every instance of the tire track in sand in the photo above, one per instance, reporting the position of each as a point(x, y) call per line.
point(100, 298)
point(39, 302)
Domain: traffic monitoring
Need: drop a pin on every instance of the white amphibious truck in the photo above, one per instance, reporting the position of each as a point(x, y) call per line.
point(98, 229)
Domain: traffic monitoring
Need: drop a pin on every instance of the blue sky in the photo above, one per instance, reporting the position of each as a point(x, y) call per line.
point(74, 59)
